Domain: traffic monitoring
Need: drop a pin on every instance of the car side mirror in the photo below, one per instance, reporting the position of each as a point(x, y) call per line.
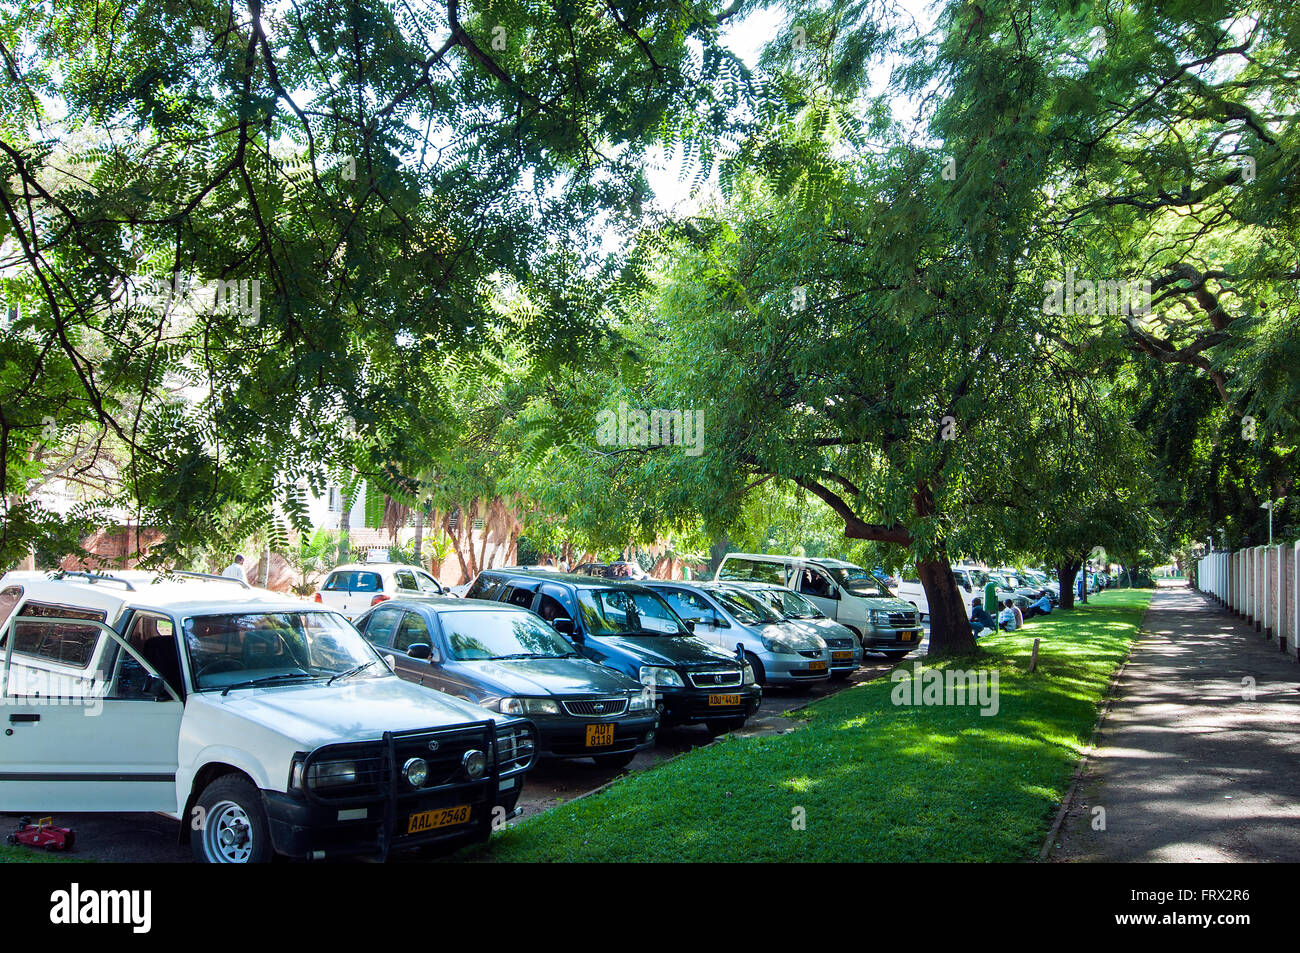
point(690, 624)
point(563, 626)
point(420, 651)
point(154, 686)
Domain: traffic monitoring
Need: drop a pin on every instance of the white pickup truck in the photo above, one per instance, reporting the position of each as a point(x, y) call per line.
point(265, 724)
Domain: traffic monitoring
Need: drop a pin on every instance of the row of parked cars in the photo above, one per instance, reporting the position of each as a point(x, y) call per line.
point(387, 714)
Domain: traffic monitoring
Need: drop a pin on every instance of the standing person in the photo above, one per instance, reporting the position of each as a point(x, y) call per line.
point(236, 570)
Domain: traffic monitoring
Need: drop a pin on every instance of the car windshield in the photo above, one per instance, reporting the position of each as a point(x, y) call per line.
point(747, 609)
point(496, 635)
point(789, 603)
point(240, 649)
point(859, 581)
point(627, 612)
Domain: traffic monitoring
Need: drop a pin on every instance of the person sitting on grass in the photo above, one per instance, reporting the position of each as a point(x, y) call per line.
point(1043, 606)
point(980, 620)
point(1007, 617)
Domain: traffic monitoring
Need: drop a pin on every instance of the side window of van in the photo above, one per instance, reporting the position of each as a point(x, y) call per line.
point(753, 570)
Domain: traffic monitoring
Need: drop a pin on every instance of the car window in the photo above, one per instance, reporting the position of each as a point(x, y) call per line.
point(485, 587)
point(746, 608)
point(814, 582)
point(353, 581)
point(405, 580)
point(58, 641)
point(550, 609)
point(789, 604)
point(858, 581)
point(518, 596)
point(474, 635)
point(9, 597)
point(427, 583)
point(412, 631)
point(237, 648)
point(627, 612)
point(689, 605)
point(753, 570)
point(381, 626)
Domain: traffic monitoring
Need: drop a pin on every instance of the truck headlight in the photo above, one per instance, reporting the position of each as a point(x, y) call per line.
point(660, 675)
point(416, 772)
point(529, 706)
point(325, 774)
point(878, 617)
point(748, 678)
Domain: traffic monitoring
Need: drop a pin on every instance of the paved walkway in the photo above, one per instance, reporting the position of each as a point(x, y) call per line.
point(1190, 765)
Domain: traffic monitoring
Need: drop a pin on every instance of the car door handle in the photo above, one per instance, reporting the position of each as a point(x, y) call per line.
point(14, 719)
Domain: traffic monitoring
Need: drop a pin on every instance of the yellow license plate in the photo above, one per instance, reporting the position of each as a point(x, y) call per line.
point(842, 656)
point(598, 735)
point(442, 817)
point(816, 666)
point(724, 701)
point(905, 636)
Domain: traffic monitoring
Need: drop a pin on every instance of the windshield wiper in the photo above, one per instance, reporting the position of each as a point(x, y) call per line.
point(517, 655)
point(352, 671)
point(266, 680)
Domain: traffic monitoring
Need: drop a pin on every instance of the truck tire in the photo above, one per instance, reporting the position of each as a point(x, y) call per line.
point(234, 824)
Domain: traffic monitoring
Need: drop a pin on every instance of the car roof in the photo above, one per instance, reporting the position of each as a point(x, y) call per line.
point(575, 580)
point(362, 567)
point(113, 592)
point(451, 602)
point(780, 558)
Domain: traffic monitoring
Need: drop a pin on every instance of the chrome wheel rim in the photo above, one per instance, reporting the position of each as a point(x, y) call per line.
point(228, 835)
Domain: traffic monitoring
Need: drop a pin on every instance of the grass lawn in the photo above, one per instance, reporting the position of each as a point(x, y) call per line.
point(872, 780)
point(29, 855)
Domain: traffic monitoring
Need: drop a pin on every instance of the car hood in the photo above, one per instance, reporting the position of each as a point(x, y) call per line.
point(797, 632)
point(881, 604)
point(356, 709)
point(666, 649)
point(828, 628)
point(547, 676)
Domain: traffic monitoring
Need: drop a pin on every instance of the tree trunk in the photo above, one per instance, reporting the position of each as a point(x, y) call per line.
point(264, 567)
point(419, 535)
point(1065, 574)
point(950, 631)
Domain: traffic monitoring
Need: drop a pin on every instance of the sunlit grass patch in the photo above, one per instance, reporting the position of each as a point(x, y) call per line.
point(864, 778)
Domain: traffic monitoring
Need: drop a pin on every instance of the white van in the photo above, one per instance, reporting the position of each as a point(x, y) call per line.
point(846, 593)
point(266, 725)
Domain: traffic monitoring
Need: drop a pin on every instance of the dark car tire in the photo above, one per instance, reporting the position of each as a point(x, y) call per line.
point(720, 726)
point(229, 803)
point(760, 676)
point(617, 761)
point(11, 839)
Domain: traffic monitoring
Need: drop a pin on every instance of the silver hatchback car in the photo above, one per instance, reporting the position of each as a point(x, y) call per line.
point(782, 651)
point(846, 650)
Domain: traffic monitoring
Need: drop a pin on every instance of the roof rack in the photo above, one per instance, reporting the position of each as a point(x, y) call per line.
point(210, 577)
point(91, 577)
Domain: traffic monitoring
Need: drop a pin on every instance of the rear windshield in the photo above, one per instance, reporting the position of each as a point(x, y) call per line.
point(354, 582)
